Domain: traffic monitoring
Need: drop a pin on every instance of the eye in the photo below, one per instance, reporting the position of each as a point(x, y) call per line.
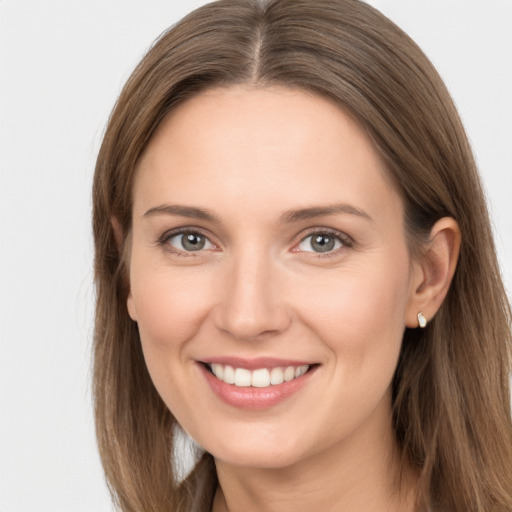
point(321, 243)
point(189, 241)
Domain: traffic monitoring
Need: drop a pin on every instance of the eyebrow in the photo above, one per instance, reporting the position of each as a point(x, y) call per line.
point(287, 217)
point(320, 211)
point(182, 211)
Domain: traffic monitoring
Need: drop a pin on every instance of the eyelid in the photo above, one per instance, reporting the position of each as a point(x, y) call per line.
point(167, 235)
point(346, 241)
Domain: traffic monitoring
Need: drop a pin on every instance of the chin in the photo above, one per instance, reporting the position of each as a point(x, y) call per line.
point(256, 452)
point(257, 458)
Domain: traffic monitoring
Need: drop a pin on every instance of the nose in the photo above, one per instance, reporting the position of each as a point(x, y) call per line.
point(252, 303)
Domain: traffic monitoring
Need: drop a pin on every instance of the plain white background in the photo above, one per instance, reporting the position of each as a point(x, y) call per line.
point(62, 64)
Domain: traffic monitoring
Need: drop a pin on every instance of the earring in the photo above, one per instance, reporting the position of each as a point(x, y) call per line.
point(422, 321)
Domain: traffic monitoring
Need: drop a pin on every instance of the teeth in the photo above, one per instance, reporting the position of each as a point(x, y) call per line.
point(276, 376)
point(229, 375)
point(242, 377)
point(218, 371)
point(289, 373)
point(260, 378)
point(301, 370)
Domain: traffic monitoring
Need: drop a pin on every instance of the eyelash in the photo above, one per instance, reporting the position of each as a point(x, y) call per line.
point(346, 241)
point(168, 235)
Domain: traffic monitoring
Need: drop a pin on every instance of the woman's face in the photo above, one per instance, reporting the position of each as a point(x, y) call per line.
point(267, 242)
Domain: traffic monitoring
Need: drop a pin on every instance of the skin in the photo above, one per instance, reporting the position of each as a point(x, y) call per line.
point(258, 288)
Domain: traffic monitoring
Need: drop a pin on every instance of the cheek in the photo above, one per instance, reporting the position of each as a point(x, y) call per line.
point(169, 305)
point(359, 316)
point(170, 311)
point(360, 311)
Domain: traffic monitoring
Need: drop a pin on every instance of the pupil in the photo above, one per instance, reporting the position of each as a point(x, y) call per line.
point(193, 242)
point(322, 243)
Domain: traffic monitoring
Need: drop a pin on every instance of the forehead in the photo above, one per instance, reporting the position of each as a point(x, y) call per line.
point(242, 145)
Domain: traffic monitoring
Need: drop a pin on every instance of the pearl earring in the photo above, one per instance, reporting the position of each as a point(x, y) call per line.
point(422, 321)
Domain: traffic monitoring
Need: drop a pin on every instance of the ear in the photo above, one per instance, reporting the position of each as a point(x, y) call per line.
point(433, 273)
point(119, 236)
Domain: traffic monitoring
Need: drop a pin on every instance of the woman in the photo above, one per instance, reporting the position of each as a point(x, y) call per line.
point(294, 264)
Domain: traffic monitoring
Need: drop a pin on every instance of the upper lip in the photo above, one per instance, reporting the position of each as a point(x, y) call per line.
point(256, 363)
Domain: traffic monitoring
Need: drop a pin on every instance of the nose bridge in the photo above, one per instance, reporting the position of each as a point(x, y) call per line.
point(251, 301)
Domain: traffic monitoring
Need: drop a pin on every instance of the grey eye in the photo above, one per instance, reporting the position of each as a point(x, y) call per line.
point(320, 242)
point(189, 242)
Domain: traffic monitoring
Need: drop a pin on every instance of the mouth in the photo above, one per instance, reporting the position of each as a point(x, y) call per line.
point(258, 377)
point(256, 384)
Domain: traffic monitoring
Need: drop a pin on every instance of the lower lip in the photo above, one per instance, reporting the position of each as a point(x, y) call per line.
point(251, 397)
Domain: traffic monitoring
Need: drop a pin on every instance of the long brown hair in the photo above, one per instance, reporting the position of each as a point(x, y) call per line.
point(451, 398)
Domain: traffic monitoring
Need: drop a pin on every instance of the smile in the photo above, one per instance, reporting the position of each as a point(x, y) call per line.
point(258, 378)
point(256, 384)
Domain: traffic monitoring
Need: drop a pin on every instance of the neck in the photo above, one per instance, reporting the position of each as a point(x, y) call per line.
point(361, 474)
